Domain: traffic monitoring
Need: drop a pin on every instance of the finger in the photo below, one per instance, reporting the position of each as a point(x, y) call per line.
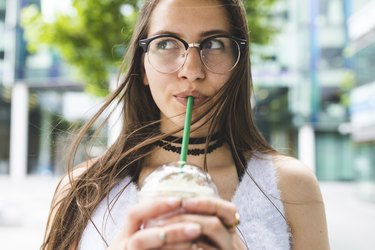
point(223, 209)
point(158, 221)
point(212, 228)
point(178, 246)
point(197, 245)
point(158, 237)
point(141, 212)
point(201, 245)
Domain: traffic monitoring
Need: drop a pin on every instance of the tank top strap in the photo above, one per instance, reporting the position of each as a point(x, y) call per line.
point(257, 198)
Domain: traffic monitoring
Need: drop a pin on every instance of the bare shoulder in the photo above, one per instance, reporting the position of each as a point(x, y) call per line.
point(297, 181)
point(62, 191)
point(303, 203)
point(65, 183)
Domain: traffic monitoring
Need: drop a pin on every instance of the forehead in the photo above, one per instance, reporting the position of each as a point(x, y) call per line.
point(188, 18)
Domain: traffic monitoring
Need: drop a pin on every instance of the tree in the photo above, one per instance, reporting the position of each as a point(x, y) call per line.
point(93, 38)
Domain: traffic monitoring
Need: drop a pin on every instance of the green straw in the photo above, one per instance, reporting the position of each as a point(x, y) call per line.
point(186, 135)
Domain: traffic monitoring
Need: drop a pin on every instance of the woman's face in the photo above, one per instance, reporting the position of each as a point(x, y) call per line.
point(192, 21)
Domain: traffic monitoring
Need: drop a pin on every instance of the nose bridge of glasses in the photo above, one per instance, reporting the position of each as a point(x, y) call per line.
point(194, 45)
point(190, 46)
point(193, 56)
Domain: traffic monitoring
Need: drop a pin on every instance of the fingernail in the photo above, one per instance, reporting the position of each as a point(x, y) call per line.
point(192, 230)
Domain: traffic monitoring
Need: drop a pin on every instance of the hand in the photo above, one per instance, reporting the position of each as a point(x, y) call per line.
point(178, 235)
point(218, 220)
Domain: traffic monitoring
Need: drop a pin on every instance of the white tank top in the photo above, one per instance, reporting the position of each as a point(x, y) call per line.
point(262, 226)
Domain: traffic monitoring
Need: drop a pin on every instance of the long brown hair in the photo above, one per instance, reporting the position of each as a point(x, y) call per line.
point(140, 130)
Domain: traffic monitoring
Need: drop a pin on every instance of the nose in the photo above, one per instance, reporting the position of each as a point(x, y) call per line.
point(193, 68)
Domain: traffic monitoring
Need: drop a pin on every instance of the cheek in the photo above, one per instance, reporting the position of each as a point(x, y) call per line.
point(151, 76)
point(156, 84)
point(220, 81)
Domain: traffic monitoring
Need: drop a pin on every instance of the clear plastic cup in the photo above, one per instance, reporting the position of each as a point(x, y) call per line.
point(174, 180)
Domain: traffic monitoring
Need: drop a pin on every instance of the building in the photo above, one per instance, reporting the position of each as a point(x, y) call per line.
point(35, 92)
point(362, 106)
point(305, 71)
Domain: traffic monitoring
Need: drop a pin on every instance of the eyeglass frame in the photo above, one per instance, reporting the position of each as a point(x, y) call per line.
point(242, 44)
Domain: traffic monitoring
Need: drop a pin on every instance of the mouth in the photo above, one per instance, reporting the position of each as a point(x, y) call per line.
point(198, 97)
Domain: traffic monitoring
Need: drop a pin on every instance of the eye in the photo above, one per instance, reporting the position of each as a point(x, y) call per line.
point(214, 43)
point(166, 43)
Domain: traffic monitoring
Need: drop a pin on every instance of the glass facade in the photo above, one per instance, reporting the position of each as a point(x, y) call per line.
point(4, 101)
point(362, 105)
point(45, 77)
point(363, 63)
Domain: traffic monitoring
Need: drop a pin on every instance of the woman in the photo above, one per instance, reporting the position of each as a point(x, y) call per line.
point(188, 48)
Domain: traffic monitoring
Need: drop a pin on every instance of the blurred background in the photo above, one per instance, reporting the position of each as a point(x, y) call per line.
point(313, 70)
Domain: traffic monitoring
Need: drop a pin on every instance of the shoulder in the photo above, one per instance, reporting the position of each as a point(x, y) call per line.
point(66, 181)
point(65, 184)
point(297, 181)
point(303, 203)
point(62, 191)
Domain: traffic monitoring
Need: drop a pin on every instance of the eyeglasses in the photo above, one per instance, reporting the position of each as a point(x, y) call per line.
point(168, 53)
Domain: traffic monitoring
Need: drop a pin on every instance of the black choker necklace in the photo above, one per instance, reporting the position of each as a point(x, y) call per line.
point(165, 144)
point(193, 140)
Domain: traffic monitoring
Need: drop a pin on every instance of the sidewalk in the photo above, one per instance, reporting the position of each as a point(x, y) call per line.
point(24, 209)
point(351, 220)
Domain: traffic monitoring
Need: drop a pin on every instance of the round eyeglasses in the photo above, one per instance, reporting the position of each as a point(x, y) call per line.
point(168, 53)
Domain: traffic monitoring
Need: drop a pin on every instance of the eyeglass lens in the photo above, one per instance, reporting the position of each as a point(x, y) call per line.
point(168, 54)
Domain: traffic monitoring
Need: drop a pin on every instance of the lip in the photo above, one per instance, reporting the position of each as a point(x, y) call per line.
point(182, 97)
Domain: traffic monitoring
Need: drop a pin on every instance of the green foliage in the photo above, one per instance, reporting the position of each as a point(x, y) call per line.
point(258, 13)
point(93, 39)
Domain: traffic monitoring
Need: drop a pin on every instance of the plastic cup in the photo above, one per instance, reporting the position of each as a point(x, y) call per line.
point(172, 180)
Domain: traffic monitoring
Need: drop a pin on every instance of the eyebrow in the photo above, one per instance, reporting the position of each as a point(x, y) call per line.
point(202, 34)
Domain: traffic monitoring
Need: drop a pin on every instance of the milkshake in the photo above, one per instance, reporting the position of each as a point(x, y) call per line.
point(172, 180)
